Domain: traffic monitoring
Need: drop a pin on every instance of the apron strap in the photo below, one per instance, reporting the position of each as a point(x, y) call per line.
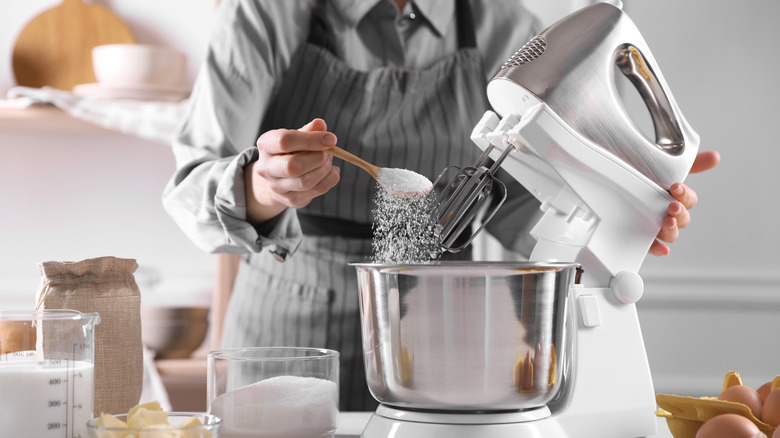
point(466, 34)
point(320, 34)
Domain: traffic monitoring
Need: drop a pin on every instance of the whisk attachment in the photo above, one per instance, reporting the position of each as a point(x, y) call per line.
point(472, 192)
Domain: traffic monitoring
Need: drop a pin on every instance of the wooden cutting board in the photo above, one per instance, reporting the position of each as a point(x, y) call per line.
point(55, 47)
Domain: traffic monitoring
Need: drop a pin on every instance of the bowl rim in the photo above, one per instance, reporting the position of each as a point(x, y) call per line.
point(47, 315)
point(301, 353)
point(471, 264)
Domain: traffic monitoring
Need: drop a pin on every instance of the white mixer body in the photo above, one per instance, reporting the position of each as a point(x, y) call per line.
point(603, 188)
point(604, 216)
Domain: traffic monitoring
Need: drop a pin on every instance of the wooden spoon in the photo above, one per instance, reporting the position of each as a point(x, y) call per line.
point(400, 182)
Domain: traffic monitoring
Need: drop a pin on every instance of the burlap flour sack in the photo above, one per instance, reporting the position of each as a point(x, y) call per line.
point(105, 285)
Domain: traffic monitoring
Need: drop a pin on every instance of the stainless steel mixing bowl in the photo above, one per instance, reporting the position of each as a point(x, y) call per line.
point(477, 336)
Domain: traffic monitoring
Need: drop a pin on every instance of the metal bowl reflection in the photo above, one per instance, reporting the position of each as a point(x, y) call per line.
point(465, 335)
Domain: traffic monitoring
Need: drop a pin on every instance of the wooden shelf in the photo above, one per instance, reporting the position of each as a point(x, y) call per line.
point(45, 119)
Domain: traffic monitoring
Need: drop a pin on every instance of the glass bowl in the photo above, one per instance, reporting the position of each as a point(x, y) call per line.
point(208, 429)
point(274, 391)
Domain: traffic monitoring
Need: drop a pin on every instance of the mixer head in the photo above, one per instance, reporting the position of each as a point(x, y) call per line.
point(563, 132)
point(572, 67)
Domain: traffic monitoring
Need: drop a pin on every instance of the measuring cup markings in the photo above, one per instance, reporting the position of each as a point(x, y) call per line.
point(54, 394)
point(47, 389)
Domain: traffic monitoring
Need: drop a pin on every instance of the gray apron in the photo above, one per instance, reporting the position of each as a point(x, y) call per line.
point(418, 120)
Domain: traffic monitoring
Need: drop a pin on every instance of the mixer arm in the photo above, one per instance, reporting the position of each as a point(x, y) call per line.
point(598, 213)
point(494, 135)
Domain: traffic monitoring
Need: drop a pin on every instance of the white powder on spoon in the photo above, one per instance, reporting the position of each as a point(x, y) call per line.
point(404, 183)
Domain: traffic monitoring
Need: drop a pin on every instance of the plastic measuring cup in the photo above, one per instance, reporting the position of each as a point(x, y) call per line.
point(47, 369)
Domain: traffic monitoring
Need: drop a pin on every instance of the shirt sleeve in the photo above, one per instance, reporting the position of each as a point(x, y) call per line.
point(216, 140)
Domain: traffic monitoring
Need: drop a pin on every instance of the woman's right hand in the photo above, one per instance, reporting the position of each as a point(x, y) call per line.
point(292, 169)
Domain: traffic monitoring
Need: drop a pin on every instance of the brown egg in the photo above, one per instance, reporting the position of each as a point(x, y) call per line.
point(729, 426)
point(771, 411)
point(745, 395)
point(764, 390)
point(777, 433)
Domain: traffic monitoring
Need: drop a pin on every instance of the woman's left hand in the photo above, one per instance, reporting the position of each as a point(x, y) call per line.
point(678, 215)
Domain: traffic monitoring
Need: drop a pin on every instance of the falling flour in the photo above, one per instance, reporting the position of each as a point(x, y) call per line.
point(404, 229)
point(279, 407)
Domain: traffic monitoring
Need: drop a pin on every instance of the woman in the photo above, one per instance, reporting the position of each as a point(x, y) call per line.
point(400, 84)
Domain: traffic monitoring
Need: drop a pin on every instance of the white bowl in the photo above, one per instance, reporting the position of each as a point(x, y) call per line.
point(137, 64)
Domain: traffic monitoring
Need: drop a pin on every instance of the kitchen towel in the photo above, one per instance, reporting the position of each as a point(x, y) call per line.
point(150, 120)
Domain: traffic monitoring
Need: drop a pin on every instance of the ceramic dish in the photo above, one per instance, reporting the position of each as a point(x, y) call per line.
point(132, 91)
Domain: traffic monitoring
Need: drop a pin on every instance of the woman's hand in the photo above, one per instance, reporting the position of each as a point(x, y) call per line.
point(678, 215)
point(291, 170)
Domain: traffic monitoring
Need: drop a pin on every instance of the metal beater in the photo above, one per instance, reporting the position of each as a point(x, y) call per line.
point(465, 196)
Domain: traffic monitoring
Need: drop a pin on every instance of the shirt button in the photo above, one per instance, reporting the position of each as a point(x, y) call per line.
point(406, 20)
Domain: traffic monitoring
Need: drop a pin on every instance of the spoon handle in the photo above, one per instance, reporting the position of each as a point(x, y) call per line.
point(354, 159)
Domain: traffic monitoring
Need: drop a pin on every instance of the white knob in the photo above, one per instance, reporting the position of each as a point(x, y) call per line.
point(627, 286)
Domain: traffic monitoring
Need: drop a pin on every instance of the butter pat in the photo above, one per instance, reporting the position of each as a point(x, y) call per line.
point(143, 418)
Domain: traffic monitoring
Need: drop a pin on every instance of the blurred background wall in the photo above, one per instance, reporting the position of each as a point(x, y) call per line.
point(70, 193)
point(710, 307)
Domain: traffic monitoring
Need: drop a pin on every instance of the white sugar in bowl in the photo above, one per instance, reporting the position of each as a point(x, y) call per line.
point(138, 64)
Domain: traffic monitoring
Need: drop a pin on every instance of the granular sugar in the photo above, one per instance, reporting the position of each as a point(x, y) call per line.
point(404, 182)
point(279, 407)
point(404, 229)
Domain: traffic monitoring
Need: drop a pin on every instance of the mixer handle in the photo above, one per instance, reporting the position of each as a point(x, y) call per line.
point(668, 135)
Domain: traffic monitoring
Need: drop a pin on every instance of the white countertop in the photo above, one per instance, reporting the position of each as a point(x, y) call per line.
point(351, 424)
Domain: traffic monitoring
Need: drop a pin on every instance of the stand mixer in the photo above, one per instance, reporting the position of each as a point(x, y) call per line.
point(564, 134)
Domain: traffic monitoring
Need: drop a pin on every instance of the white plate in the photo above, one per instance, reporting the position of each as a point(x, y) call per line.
point(132, 91)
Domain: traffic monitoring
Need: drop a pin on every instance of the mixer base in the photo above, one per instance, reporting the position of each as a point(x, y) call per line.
point(393, 422)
